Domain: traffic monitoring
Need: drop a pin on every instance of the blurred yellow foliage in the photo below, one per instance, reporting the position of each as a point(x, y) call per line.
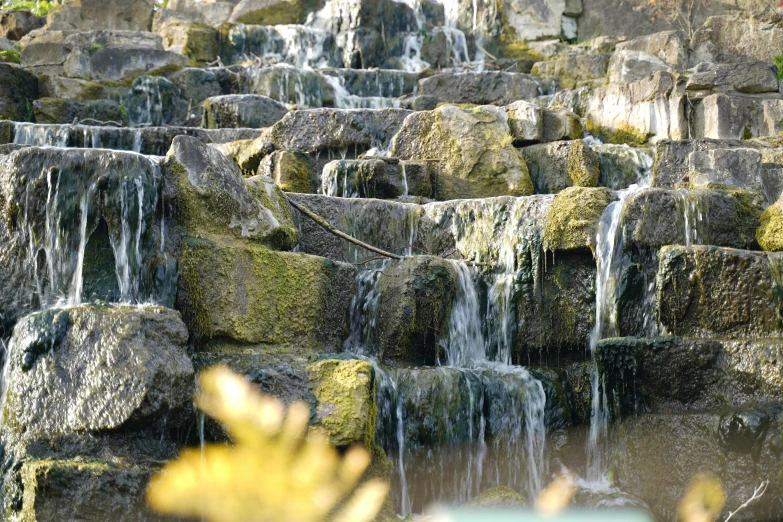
point(278, 470)
point(556, 497)
point(703, 502)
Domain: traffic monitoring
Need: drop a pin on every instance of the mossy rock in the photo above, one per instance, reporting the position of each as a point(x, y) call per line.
point(572, 220)
point(624, 134)
point(472, 144)
point(562, 164)
point(497, 497)
point(770, 232)
point(201, 46)
point(345, 392)
point(78, 490)
point(416, 296)
point(212, 199)
point(243, 291)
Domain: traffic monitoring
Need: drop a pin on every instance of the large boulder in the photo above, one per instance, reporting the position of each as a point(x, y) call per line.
point(292, 171)
point(747, 77)
point(272, 12)
point(17, 89)
point(669, 46)
point(211, 197)
point(95, 368)
point(555, 166)
point(657, 217)
point(735, 39)
point(194, 39)
point(470, 144)
point(242, 291)
point(498, 88)
point(747, 285)
point(574, 69)
point(736, 116)
point(628, 66)
point(55, 110)
point(131, 15)
point(653, 107)
point(723, 168)
point(526, 121)
point(242, 110)
point(677, 372)
point(415, 304)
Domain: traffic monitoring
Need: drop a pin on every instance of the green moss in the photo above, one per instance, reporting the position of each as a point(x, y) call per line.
point(294, 172)
point(770, 232)
point(6, 129)
point(572, 220)
point(246, 292)
point(498, 496)
point(344, 390)
point(11, 56)
point(201, 46)
point(622, 135)
point(583, 164)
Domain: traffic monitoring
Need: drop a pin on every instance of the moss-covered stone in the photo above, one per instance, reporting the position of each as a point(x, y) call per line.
point(201, 46)
point(415, 304)
point(243, 291)
point(273, 12)
point(212, 198)
point(345, 392)
point(6, 132)
point(624, 134)
point(57, 490)
point(472, 144)
point(770, 232)
point(293, 171)
point(497, 497)
point(558, 165)
point(572, 220)
point(746, 284)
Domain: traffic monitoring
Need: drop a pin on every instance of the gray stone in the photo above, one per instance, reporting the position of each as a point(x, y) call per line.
point(735, 39)
point(526, 122)
point(337, 129)
point(45, 57)
point(211, 12)
point(15, 24)
point(122, 15)
point(534, 19)
point(672, 158)
point(556, 166)
point(657, 217)
point(242, 110)
point(605, 44)
point(415, 305)
point(736, 116)
point(100, 112)
point(17, 88)
point(747, 77)
point(574, 69)
point(272, 12)
point(691, 280)
point(620, 165)
point(677, 372)
point(736, 167)
point(211, 197)
point(562, 124)
point(497, 88)
point(366, 178)
point(180, 34)
point(473, 145)
point(113, 63)
point(116, 39)
point(671, 47)
point(95, 368)
point(628, 66)
point(548, 48)
point(74, 89)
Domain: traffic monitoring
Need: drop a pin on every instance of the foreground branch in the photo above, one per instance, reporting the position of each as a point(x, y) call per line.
point(757, 494)
point(342, 235)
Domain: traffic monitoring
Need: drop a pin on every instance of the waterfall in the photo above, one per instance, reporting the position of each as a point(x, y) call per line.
point(610, 260)
point(41, 135)
point(465, 341)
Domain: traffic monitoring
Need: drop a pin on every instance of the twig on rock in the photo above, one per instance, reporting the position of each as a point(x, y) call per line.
point(329, 228)
point(757, 494)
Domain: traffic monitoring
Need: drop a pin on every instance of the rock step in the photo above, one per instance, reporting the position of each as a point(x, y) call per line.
point(154, 141)
point(673, 373)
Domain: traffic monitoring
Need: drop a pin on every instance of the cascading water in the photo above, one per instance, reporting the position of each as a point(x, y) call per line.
point(497, 435)
point(610, 258)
